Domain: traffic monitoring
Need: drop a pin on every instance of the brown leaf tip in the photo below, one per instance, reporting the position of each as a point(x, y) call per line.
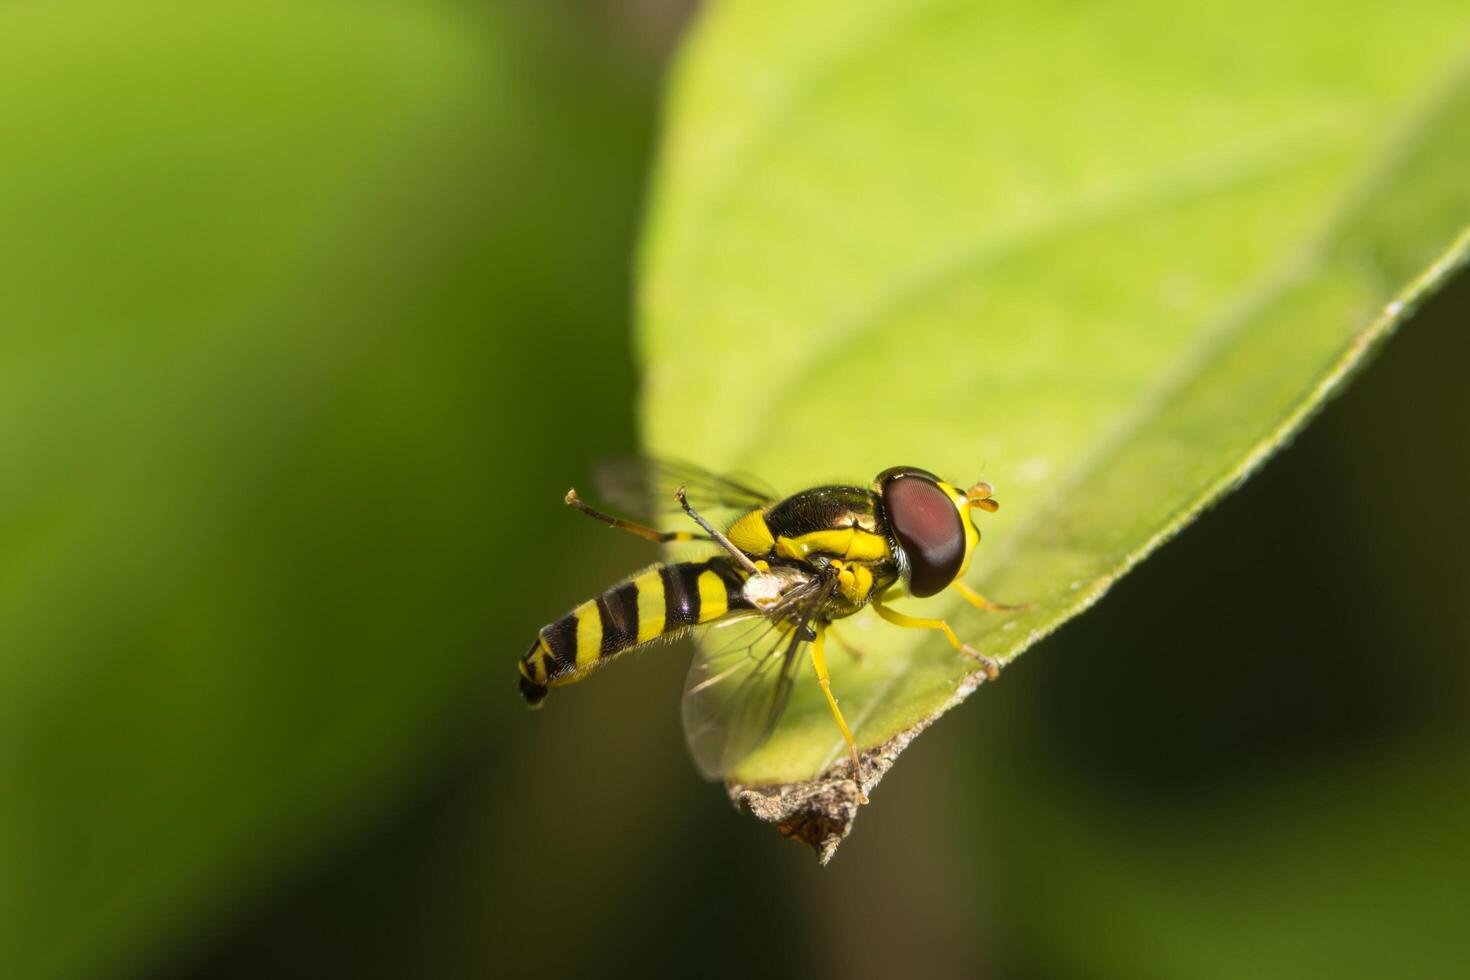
point(820, 812)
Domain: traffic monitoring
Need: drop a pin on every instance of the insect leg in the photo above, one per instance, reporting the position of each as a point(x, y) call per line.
point(819, 663)
point(980, 602)
point(630, 526)
point(991, 668)
point(741, 558)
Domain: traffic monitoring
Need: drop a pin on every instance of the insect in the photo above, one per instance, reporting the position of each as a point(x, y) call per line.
point(786, 571)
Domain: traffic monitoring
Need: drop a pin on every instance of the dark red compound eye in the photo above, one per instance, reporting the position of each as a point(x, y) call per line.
point(927, 525)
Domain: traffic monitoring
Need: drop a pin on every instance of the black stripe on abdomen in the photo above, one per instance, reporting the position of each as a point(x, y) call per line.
point(561, 640)
point(734, 585)
point(681, 595)
point(618, 608)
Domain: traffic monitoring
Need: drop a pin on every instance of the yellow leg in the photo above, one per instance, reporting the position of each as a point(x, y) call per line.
point(819, 663)
point(991, 668)
point(632, 527)
point(980, 602)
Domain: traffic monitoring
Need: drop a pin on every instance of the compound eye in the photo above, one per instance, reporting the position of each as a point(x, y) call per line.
point(928, 527)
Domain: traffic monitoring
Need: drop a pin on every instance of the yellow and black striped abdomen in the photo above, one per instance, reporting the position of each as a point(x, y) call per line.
point(664, 600)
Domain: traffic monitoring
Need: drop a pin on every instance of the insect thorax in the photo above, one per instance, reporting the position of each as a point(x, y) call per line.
point(807, 533)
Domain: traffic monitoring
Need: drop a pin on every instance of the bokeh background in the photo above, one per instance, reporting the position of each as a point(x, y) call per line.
point(311, 313)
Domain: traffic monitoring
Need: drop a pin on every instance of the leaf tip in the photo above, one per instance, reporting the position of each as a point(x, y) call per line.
point(820, 812)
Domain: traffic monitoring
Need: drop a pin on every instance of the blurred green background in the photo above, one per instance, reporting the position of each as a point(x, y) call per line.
point(311, 313)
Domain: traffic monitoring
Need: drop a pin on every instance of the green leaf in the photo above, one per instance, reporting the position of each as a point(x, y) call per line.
point(1108, 257)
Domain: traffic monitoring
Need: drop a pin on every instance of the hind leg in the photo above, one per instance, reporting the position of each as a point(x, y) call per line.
point(819, 663)
point(632, 527)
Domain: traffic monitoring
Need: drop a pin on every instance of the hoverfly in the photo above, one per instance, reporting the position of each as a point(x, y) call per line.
point(787, 569)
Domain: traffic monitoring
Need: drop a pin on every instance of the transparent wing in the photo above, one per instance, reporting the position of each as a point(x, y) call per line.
point(741, 678)
point(646, 487)
point(737, 689)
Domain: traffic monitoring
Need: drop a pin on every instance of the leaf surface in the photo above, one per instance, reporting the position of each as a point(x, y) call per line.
point(1107, 257)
